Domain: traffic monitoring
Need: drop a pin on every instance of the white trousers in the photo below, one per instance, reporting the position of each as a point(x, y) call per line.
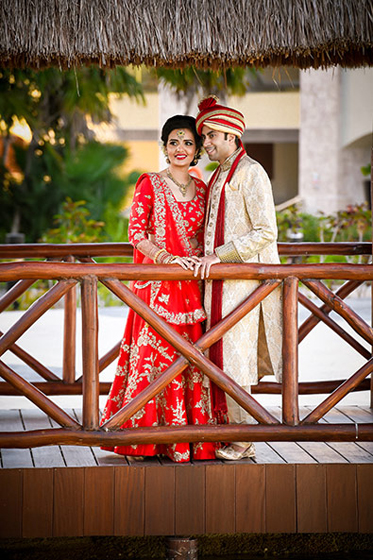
point(238, 415)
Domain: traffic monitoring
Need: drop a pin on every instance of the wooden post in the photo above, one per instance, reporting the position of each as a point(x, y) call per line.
point(290, 406)
point(69, 335)
point(90, 353)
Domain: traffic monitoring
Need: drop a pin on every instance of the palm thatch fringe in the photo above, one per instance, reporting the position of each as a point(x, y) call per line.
point(176, 33)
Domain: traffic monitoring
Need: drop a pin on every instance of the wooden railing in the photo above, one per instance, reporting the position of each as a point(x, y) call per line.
point(70, 265)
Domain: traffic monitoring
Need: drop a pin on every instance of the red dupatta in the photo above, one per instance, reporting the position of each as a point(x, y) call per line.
point(216, 350)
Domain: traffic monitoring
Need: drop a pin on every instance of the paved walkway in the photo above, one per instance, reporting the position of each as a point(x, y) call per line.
point(322, 355)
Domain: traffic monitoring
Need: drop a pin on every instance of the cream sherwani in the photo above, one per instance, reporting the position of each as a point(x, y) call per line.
point(253, 347)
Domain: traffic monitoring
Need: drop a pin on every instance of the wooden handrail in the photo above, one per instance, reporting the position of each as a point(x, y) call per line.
point(69, 273)
point(263, 387)
point(227, 271)
point(36, 250)
point(171, 434)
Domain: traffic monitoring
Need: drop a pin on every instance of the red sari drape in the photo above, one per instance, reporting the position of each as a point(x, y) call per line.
point(144, 354)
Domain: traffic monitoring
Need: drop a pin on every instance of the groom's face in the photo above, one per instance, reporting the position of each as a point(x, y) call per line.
point(218, 145)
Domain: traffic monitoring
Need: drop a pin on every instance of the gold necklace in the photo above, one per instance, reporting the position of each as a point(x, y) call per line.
point(182, 187)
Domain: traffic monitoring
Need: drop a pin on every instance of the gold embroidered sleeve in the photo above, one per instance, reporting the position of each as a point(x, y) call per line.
point(228, 253)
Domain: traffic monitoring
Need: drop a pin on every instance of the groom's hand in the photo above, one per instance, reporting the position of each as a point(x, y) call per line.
point(205, 264)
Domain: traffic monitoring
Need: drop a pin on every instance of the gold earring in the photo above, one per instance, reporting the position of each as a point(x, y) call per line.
point(197, 156)
point(165, 154)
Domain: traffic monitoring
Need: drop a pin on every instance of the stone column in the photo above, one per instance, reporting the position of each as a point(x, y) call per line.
point(319, 141)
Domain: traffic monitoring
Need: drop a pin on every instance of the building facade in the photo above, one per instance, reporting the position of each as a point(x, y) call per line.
point(311, 130)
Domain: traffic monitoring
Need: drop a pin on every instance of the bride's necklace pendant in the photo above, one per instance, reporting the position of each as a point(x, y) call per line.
point(182, 187)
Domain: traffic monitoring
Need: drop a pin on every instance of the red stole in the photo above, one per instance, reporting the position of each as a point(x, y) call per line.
point(216, 351)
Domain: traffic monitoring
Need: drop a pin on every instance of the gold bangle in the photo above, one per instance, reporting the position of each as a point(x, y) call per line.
point(165, 259)
point(157, 255)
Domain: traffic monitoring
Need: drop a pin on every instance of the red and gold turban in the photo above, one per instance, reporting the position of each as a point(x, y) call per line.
point(218, 117)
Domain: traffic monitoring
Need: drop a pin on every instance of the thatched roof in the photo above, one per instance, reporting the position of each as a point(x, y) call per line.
point(176, 33)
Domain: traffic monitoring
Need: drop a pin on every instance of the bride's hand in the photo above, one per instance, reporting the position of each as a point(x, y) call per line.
point(185, 262)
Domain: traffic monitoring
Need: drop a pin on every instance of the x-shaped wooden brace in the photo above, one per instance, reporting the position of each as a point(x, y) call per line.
point(8, 339)
point(335, 302)
point(191, 353)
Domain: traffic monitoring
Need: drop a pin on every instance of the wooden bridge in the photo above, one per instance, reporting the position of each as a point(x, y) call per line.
point(313, 465)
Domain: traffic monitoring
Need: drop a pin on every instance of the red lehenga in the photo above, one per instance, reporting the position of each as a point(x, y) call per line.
point(144, 354)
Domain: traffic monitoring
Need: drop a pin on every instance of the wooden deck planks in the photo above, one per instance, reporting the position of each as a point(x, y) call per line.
point(10, 420)
point(160, 500)
point(68, 502)
point(250, 498)
point(365, 498)
point(37, 502)
point(190, 499)
point(342, 498)
point(322, 452)
point(351, 451)
point(289, 487)
point(291, 452)
point(129, 501)
point(264, 453)
point(280, 499)
point(311, 499)
point(11, 484)
point(76, 455)
point(99, 501)
point(43, 457)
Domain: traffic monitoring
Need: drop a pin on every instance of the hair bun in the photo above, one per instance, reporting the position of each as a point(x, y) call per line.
point(207, 102)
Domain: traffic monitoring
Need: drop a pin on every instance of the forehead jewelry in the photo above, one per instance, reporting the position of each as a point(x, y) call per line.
point(180, 133)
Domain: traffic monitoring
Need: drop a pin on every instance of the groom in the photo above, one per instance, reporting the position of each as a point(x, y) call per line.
point(240, 227)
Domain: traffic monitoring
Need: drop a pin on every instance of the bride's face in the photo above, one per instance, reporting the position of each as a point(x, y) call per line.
point(181, 147)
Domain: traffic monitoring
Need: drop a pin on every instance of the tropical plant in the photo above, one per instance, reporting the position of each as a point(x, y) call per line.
point(350, 224)
point(74, 225)
point(58, 108)
point(289, 220)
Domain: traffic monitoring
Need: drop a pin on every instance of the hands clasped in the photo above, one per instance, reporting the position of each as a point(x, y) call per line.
point(197, 264)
